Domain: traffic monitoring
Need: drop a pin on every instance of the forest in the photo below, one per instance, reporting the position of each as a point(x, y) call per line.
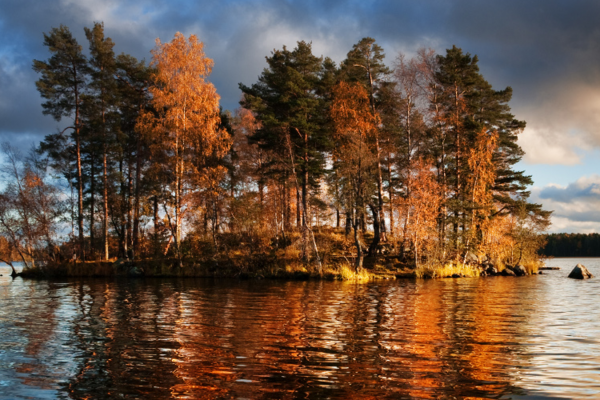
point(572, 245)
point(323, 165)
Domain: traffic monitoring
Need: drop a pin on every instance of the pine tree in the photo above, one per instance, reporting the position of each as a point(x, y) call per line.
point(103, 101)
point(133, 81)
point(63, 82)
point(364, 64)
point(286, 101)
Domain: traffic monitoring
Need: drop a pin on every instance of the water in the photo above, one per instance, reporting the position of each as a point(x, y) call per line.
point(533, 337)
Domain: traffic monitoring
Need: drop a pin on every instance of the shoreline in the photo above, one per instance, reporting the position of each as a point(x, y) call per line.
point(283, 269)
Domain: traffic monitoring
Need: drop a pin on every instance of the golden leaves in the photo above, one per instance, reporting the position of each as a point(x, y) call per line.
point(187, 103)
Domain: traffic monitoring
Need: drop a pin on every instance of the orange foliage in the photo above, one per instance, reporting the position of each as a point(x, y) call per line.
point(482, 170)
point(354, 126)
point(498, 241)
point(185, 131)
point(422, 205)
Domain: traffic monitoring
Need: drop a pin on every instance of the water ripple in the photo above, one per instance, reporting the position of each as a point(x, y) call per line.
point(532, 337)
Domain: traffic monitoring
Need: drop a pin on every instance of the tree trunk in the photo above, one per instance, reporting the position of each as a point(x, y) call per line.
point(79, 190)
point(298, 206)
point(122, 213)
point(92, 205)
point(105, 201)
point(348, 222)
point(156, 243)
point(376, 238)
point(136, 216)
point(390, 194)
point(129, 212)
point(359, 254)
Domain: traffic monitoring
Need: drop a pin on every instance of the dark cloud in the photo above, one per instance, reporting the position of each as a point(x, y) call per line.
point(548, 51)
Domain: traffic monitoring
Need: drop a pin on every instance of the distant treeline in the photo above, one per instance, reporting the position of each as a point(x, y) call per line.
point(572, 245)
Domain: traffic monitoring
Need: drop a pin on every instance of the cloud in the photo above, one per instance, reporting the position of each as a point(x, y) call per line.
point(576, 206)
point(545, 146)
point(547, 50)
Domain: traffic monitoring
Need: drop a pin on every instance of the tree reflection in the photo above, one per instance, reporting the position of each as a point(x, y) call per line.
point(204, 339)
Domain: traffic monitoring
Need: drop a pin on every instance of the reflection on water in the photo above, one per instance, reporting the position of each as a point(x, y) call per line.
point(496, 337)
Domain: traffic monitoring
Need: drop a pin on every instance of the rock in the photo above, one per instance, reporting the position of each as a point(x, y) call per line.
point(580, 272)
point(471, 258)
point(491, 270)
point(134, 271)
point(540, 272)
point(508, 272)
point(456, 275)
point(519, 270)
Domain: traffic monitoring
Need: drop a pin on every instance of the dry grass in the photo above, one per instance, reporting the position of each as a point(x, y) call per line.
point(446, 271)
point(349, 273)
point(532, 267)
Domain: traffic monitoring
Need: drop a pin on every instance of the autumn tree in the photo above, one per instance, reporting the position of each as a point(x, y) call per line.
point(248, 176)
point(30, 210)
point(364, 65)
point(185, 128)
point(63, 82)
point(411, 106)
point(422, 208)
point(481, 178)
point(354, 160)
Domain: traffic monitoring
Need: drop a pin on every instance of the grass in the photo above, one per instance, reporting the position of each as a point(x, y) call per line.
point(348, 273)
point(446, 271)
point(532, 267)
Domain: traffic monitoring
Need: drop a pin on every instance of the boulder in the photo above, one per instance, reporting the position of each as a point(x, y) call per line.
point(508, 272)
point(135, 271)
point(491, 270)
point(471, 258)
point(580, 272)
point(519, 270)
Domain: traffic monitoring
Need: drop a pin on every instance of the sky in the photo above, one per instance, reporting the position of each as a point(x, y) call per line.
point(548, 51)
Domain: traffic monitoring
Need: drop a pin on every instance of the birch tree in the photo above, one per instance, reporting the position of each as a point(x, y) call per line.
point(185, 127)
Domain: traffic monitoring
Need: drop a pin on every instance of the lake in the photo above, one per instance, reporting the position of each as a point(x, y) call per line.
point(534, 337)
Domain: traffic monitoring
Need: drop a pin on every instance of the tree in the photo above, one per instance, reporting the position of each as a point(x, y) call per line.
point(465, 107)
point(286, 101)
point(185, 128)
point(130, 146)
point(410, 78)
point(103, 99)
point(354, 130)
point(29, 210)
point(63, 82)
point(364, 64)
point(481, 177)
point(422, 206)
